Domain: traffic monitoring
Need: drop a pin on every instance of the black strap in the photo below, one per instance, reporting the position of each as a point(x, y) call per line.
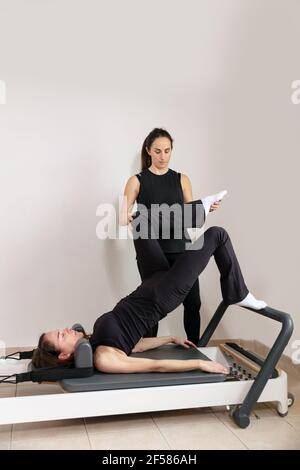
point(8, 379)
point(48, 374)
point(54, 374)
point(20, 355)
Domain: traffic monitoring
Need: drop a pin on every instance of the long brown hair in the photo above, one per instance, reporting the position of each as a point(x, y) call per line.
point(45, 355)
point(154, 134)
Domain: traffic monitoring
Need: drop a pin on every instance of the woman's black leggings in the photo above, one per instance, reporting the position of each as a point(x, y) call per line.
point(174, 283)
point(191, 304)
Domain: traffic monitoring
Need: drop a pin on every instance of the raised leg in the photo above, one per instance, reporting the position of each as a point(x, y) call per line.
point(179, 279)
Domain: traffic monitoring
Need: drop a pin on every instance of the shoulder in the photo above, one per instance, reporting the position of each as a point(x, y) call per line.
point(104, 351)
point(174, 175)
point(143, 173)
point(185, 181)
point(133, 182)
point(134, 179)
point(108, 359)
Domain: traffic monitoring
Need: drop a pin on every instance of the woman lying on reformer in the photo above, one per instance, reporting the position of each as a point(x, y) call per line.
point(118, 333)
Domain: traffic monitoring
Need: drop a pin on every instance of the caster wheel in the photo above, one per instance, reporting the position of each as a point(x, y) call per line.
point(282, 415)
point(291, 399)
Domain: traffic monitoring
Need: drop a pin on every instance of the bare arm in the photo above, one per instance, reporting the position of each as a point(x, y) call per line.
point(131, 192)
point(186, 188)
point(151, 343)
point(145, 344)
point(108, 360)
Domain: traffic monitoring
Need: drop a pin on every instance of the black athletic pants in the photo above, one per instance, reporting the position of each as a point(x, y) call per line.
point(175, 282)
point(191, 304)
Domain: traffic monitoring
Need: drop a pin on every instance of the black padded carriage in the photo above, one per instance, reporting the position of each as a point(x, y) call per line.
point(101, 381)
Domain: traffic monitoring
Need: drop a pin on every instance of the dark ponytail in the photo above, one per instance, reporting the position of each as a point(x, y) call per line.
point(155, 134)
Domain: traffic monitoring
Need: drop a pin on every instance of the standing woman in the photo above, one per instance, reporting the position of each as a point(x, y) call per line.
point(159, 184)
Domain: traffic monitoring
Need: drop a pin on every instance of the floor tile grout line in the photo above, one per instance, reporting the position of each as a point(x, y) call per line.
point(69, 420)
point(113, 431)
point(88, 436)
point(249, 448)
point(292, 426)
point(135, 428)
point(161, 433)
point(227, 427)
point(59, 438)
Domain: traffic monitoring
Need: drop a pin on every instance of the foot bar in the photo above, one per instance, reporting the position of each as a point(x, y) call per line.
point(242, 413)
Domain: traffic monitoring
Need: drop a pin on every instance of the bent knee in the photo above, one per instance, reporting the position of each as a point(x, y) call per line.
point(218, 232)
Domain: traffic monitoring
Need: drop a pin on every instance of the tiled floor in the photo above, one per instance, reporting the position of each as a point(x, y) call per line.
point(206, 428)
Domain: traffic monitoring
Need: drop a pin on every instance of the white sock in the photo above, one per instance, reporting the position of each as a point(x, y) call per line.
point(209, 200)
point(251, 301)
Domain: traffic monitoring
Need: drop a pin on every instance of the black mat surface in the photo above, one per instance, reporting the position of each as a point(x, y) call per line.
point(101, 381)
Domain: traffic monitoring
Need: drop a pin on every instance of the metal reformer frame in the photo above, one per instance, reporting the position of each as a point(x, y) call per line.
point(134, 400)
point(242, 412)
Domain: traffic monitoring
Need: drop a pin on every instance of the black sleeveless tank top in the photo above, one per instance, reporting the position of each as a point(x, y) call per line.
point(162, 189)
point(130, 319)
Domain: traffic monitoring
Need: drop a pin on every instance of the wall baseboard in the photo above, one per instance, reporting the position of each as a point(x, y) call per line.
point(285, 361)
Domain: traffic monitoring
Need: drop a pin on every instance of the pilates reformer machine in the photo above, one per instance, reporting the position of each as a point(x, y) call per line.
point(91, 393)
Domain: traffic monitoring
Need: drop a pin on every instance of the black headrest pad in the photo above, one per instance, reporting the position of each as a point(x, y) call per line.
point(83, 355)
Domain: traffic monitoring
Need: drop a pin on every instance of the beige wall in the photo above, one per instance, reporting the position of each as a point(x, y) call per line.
point(86, 81)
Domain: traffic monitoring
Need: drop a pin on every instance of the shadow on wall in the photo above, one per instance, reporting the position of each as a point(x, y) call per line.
point(121, 268)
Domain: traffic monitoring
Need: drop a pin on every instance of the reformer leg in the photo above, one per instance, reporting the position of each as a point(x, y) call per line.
point(241, 413)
